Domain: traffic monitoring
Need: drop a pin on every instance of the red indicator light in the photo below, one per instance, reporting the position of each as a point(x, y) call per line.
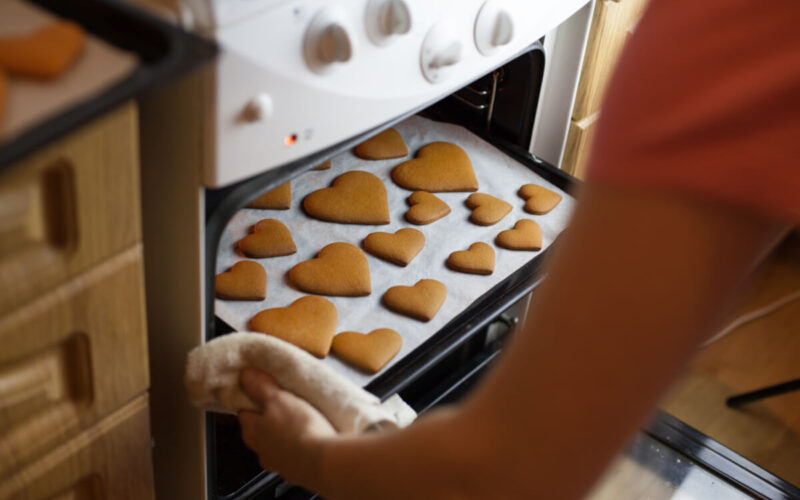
point(289, 140)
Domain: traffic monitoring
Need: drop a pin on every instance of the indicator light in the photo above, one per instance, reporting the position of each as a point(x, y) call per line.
point(289, 140)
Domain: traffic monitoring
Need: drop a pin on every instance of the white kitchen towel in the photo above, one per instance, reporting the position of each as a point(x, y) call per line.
point(212, 381)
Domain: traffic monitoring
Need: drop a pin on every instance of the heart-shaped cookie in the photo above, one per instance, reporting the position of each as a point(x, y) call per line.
point(425, 208)
point(354, 198)
point(308, 323)
point(486, 209)
point(339, 269)
point(439, 166)
point(279, 198)
point(270, 238)
point(246, 280)
point(479, 259)
point(538, 200)
point(369, 352)
point(421, 301)
point(526, 235)
point(44, 53)
point(399, 248)
point(387, 144)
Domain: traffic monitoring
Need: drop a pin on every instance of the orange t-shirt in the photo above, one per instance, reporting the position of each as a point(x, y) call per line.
point(706, 102)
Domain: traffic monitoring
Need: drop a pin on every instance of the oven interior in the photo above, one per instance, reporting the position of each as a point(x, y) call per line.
point(499, 107)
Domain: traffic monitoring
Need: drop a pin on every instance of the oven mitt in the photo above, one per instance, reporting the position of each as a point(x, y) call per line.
point(212, 381)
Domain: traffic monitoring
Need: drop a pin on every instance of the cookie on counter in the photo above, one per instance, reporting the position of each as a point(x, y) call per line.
point(479, 259)
point(308, 323)
point(425, 208)
point(270, 238)
point(340, 269)
point(246, 280)
point(438, 166)
point(538, 199)
point(486, 209)
point(323, 166)
point(369, 352)
point(386, 145)
point(421, 301)
point(355, 197)
point(526, 235)
point(399, 248)
point(44, 53)
point(279, 198)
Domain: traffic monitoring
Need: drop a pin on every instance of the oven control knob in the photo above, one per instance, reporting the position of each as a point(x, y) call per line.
point(386, 18)
point(259, 108)
point(327, 40)
point(494, 27)
point(440, 52)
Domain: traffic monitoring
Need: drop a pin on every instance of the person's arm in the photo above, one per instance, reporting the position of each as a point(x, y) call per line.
point(638, 281)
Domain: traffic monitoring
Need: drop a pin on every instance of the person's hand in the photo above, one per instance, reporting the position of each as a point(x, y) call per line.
point(288, 435)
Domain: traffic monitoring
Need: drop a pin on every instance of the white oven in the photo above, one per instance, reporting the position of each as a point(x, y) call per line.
point(300, 82)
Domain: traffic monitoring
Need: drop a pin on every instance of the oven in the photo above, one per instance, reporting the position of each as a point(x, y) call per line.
point(298, 83)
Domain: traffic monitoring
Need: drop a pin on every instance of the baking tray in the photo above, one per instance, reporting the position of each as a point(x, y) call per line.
point(164, 53)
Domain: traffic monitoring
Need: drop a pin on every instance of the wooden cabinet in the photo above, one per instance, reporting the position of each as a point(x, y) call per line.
point(73, 369)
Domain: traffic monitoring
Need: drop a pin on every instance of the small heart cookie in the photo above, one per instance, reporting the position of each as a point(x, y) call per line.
point(399, 248)
point(425, 208)
point(439, 166)
point(479, 259)
point(339, 269)
point(44, 53)
point(308, 323)
point(421, 301)
point(526, 235)
point(354, 198)
point(246, 280)
point(270, 238)
point(369, 352)
point(323, 166)
point(539, 200)
point(486, 209)
point(279, 198)
point(387, 144)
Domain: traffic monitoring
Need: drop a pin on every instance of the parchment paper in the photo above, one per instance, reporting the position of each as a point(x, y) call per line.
point(497, 175)
point(31, 101)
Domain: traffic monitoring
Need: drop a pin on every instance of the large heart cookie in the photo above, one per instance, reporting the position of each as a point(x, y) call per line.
point(369, 352)
point(479, 259)
point(279, 198)
point(486, 209)
point(387, 144)
point(425, 208)
point(354, 198)
point(270, 238)
point(399, 248)
point(339, 269)
point(421, 301)
point(45, 53)
point(526, 235)
point(439, 166)
point(308, 323)
point(246, 280)
point(539, 200)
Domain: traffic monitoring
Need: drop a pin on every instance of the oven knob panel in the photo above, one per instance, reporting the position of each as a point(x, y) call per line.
point(386, 19)
point(327, 42)
point(440, 52)
point(258, 109)
point(494, 28)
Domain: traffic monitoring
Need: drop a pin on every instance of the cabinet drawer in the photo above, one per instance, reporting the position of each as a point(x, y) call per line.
point(579, 145)
point(110, 461)
point(68, 206)
point(70, 358)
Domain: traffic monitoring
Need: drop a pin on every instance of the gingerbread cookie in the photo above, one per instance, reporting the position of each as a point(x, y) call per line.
point(539, 200)
point(486, 209)
point(354, 198)
point(399, 248)
point(439, 166)
point(279, 198)
point(308, 323)
point(421, 301)
point(44, 53)
point(270, 238)
point(388, 144)
point(425, 208)
point(526, 235)
point(339, 269)
point(323, 166)
point(479, 259)
point(369, 352)
point(246, 280)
